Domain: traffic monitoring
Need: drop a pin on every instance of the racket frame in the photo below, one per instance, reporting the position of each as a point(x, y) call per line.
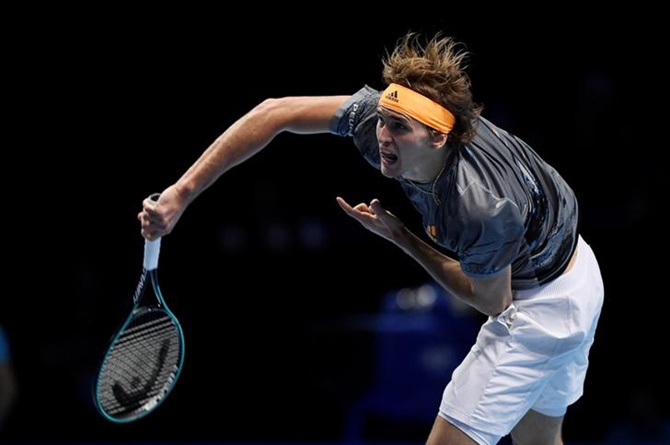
point(149, 274)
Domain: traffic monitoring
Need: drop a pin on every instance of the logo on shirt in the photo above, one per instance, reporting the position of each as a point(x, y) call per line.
point(352, 119)
point(431, 230)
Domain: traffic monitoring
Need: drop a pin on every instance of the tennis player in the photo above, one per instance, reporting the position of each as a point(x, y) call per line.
point(501, 228)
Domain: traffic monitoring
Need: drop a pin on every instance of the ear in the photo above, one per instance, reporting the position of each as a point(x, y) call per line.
point(439, 139)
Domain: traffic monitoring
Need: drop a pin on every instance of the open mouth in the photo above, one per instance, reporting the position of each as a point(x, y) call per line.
point(387, 157)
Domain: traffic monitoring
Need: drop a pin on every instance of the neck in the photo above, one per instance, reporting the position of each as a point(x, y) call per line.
point(433, 169)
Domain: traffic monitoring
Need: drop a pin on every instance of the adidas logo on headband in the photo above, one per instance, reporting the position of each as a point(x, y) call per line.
point(392, 96)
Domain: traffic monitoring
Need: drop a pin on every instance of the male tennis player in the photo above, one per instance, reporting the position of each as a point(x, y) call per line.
point(503, 225)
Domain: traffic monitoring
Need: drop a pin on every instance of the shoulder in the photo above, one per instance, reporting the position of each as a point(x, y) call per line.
point(359, 107)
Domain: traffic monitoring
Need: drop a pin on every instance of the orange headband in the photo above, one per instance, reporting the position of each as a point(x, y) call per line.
point(413, 104)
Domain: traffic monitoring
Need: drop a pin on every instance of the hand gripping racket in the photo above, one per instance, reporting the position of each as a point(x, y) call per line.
point(145, 357)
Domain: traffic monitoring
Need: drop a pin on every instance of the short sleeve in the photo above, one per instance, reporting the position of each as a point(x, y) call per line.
point(354, 112)
point(357, 117)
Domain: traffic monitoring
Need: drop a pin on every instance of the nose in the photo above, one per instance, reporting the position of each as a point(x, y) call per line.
point(383, 136)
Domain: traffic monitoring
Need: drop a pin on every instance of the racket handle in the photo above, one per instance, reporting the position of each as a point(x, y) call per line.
point(152, 248)
point(151, 251)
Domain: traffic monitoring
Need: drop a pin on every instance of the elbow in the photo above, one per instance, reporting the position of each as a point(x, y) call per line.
point(496, 302)
point(493, 295)
point(272, 106)
point(274, 114)
point(500, 305)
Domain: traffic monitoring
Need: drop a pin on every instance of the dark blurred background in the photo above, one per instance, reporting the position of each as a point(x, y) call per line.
point(290, 309)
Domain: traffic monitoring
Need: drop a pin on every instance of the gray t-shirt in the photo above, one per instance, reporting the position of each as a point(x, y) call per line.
point(496, 202)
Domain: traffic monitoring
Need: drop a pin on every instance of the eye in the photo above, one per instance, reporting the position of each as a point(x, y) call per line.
point(393, 124)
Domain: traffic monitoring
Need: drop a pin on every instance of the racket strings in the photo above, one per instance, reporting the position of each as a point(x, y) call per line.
point(142, 365)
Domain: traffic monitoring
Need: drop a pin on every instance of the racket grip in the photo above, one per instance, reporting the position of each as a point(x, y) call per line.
point(152, 248)
point(151, 252)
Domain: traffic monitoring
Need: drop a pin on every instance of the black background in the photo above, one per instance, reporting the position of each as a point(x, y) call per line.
point(110, 105)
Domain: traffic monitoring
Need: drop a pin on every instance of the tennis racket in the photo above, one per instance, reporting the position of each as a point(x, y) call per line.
point(145, 357)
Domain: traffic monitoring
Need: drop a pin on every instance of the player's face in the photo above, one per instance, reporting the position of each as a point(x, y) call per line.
point(405, 147)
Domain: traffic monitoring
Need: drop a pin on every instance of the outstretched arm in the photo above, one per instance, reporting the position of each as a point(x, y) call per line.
point(243, 139)
point(489, 296)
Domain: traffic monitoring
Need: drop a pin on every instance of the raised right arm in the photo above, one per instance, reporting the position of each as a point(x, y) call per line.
point(243, 139)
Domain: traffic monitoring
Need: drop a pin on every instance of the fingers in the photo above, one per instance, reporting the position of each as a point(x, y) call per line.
point(147, 228)
point(376, 206)
point(151, 222)
point(354, 212)
point(342, 203)
point(362, 210)
point(150, 204)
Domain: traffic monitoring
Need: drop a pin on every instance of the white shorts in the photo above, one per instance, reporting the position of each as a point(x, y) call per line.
point(534, 355)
